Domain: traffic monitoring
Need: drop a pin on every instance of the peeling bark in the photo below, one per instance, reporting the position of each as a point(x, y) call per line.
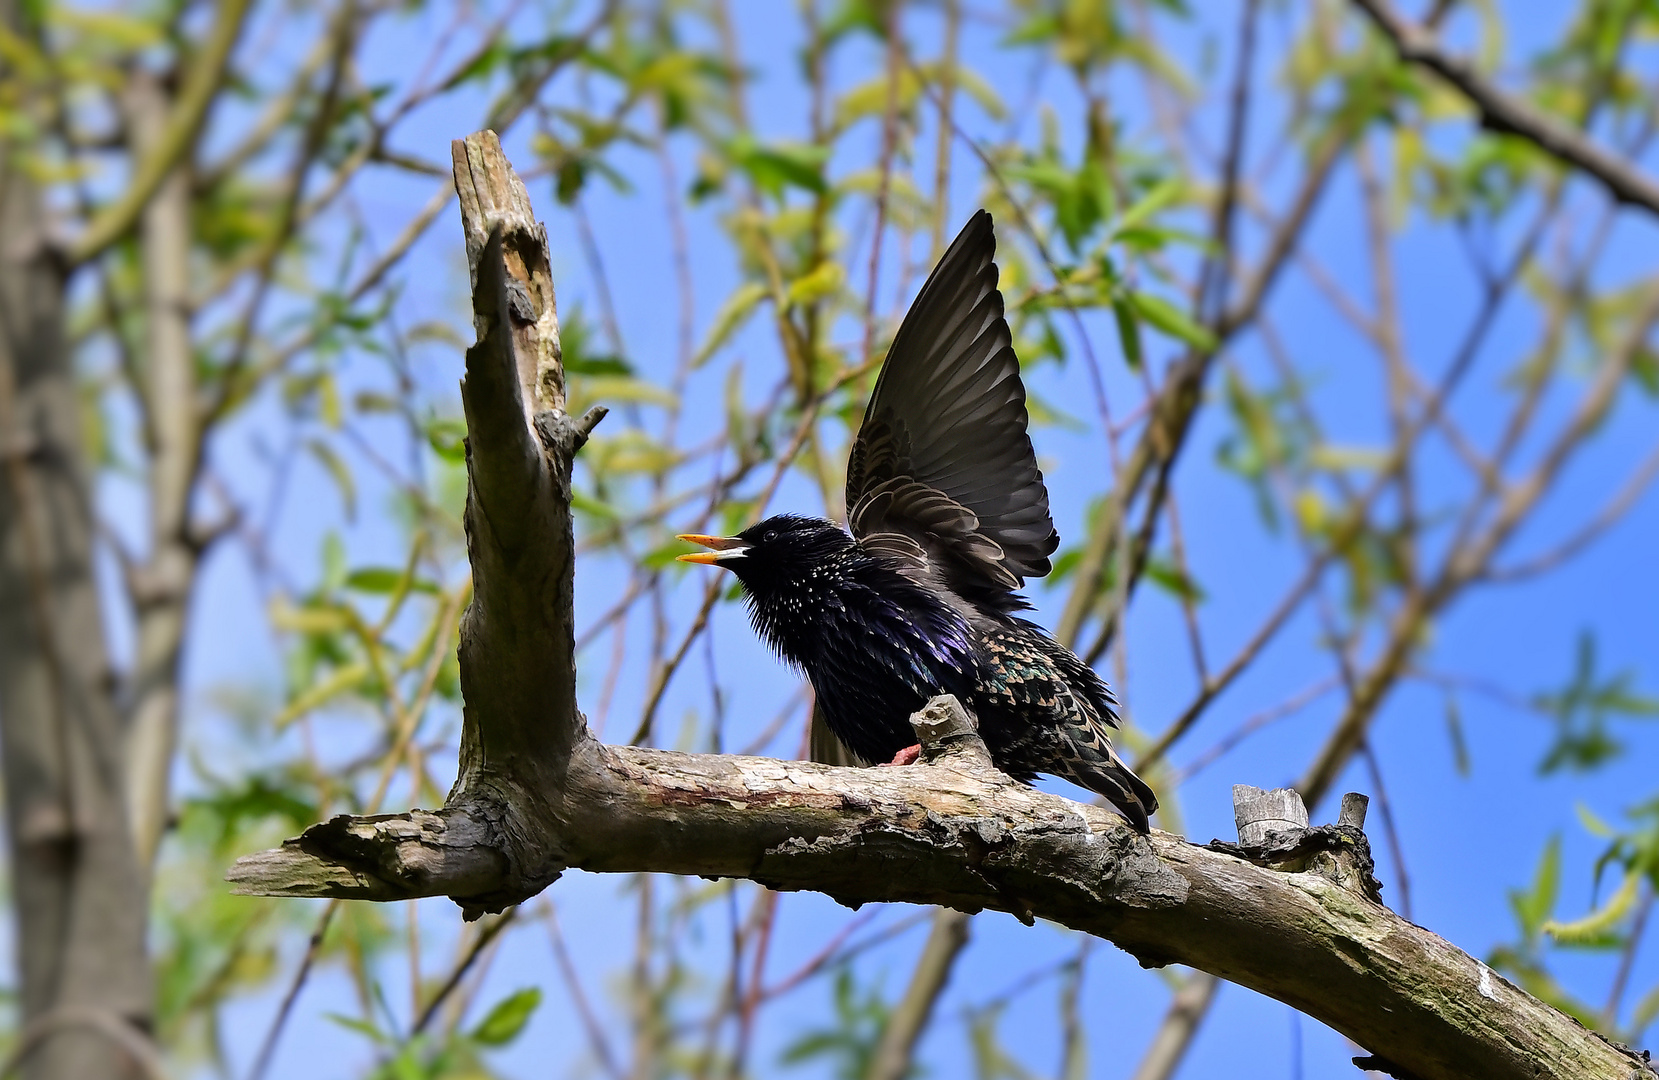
point(1291, 912)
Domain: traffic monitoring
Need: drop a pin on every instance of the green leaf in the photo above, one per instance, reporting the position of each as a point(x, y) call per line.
point(1045, 415)
point(1064, 566)
point(732, 315)
point(374, 579)
point(1129, 333)
point(851, 15)
point(774, 168)
point(849, 1038)
point(870, 97)
point(587, 504)
point(1593, 824)
point(448, 439)
point(1039, 29)
point(631, 451)
point(740, 435)
point(1584, 709)
point(825, 280)
point(598, 365)
point(362, 1027)
point(1169, 578)
point(1150, 204)
point(107, 27)
point(254, 799)
point(382, 580)
point(328, 400)
point(508, 1018)
point(482, 66)
point(367, 401)
point(1534, 906)
point(667, 554)
point(1165, 316)
point(1597, 927)
point(1334, 457)
point(1644, 368)
point(341, 681)
point(578, 351)
point(334, 562)
point(624, 388)
point(320, 620)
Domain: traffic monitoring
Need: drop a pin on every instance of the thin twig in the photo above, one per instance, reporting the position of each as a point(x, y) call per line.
point(578, 997)
point(1629, 493)
point(1627, 960)
point(267, 1048)
point(487, 932)
point(889, 145)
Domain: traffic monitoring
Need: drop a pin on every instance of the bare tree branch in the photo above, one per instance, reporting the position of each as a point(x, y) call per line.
point(1175, 406)
point(955, 831)
point(163, 585)
point(201, 86)
point(1169, 1043)
point(896, 1050)
point(1503, 112)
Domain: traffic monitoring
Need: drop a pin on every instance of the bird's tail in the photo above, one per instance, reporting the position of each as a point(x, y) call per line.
point(1098, 768)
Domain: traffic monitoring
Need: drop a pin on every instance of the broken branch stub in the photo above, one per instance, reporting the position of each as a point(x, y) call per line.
point(1290, 911)
point(1273, 832)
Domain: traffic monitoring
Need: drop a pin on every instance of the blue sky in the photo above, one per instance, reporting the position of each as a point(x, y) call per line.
point(1467, 839)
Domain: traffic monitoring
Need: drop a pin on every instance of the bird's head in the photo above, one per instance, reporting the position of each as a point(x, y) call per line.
point(772, 553)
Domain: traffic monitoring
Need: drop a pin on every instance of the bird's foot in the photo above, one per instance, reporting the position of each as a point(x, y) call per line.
point(907, 756)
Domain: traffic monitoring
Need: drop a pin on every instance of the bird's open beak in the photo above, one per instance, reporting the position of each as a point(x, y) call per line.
point(726, 548)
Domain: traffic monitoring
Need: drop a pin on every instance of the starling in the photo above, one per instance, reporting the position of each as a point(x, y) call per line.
point(947, 517)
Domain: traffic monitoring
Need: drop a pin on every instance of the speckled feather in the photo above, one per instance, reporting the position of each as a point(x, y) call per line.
point(876, 646)
point(948, 516)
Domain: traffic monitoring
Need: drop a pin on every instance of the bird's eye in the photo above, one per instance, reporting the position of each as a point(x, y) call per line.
point(771, 535)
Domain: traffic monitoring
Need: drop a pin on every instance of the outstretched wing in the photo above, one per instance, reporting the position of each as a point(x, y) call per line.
point(942, 470)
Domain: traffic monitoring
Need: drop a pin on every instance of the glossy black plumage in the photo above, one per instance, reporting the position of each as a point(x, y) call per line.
point(948, 516)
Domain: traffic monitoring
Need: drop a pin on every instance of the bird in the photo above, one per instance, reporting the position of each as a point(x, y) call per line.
point(918, 595)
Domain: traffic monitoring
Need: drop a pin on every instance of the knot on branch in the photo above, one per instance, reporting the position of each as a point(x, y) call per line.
point(562, 435)
point(948, 732)
point(1273, 832)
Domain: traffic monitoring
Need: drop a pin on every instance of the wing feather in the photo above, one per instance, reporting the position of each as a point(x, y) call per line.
point(943, 457)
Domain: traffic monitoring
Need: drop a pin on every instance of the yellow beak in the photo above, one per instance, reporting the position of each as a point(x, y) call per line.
point(725, 548)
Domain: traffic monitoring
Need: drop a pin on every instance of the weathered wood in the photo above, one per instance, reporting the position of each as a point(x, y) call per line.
point(1354, 806)
point(969, 838)
point(1259, 814)
point(1290, 911)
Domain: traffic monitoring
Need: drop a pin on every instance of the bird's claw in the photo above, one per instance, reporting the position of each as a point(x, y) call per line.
point(907, 756)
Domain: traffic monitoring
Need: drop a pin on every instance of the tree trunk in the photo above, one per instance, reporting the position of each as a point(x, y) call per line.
point(80, 908)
